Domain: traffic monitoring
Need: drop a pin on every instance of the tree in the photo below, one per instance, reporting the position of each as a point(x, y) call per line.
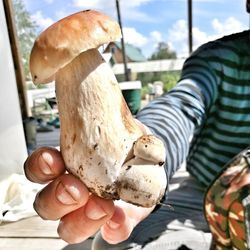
point(26, 32)
point(163, 52)
point(168, 78)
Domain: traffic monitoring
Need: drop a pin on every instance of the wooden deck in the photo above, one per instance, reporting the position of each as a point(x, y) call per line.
point(35, 234)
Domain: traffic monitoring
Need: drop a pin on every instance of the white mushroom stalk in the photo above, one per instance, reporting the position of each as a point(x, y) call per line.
point(100, 141)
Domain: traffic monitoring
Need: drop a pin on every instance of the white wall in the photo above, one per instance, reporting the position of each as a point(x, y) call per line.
point(12, 141)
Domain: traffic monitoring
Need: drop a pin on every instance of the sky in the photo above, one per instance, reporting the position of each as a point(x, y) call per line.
point(147, 22)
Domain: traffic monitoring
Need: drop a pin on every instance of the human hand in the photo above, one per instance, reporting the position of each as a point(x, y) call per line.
point(67, 199)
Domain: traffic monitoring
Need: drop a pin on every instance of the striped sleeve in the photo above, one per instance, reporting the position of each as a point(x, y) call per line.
point(226, 131)
point(176, 116)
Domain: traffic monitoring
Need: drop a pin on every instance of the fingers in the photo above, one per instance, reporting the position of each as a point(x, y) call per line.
point(118, 228)
point(44, 165)
point(79, 225)
point(60, 197)
point(123, 221)
point(66, 197)
point(81, 214)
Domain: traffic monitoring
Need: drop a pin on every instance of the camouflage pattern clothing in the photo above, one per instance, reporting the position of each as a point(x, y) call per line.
point(227, 205)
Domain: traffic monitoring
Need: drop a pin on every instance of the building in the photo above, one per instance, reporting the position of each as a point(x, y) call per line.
point(133, 54)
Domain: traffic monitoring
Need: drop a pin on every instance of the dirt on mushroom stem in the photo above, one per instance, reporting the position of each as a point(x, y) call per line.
point(98, 131)
point(93, 128)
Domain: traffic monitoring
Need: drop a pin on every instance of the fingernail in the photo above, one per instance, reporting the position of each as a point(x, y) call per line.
point(45, 161)
point(113, 225)
point(93, 211)
point(67, 195)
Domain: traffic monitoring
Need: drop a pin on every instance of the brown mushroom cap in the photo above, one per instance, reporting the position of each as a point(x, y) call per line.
point(59, 44)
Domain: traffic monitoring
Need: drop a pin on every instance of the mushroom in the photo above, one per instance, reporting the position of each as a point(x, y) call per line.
point(98, 134)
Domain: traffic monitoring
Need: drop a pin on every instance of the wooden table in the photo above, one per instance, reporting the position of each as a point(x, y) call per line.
point(35, 234)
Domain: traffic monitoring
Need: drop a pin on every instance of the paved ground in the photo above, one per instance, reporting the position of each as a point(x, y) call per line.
point(48, 138)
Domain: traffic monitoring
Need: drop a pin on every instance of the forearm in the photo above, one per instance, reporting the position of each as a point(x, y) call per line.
point(174, 118)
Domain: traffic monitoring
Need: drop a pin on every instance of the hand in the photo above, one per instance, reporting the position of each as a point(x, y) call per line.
point(81, 213)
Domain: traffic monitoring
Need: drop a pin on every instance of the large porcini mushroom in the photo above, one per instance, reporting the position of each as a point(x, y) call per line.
point(98, 132)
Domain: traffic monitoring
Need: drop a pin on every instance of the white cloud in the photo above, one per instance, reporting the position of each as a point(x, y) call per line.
point(199, 37)
point(105, 6)
point(133, 37)
point(109, 7)
point(177, 37)
point(178, 31)
point(178, 34)
point(230, 25)
point(41, 21)
point(156, 36)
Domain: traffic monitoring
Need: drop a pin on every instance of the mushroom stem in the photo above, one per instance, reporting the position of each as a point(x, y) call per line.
point(97, 128)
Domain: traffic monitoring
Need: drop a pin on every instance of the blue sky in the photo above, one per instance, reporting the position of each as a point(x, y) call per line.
point(148, 22)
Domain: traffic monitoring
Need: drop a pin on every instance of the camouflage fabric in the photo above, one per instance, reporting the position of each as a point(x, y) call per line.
point(227, 205)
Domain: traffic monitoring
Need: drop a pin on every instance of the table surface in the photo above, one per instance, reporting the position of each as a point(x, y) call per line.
point(35, 234)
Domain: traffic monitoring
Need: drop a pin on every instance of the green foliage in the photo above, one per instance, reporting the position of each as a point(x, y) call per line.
point(144, 92)
point(169, 79)
point(120, 78)
point(26, 32)
point(163, 52)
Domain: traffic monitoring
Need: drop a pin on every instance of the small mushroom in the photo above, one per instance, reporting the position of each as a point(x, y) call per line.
point(98, 132)
point(150, 148)
point(146, 164)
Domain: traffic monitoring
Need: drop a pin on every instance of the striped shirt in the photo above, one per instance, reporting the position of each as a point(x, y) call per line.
point(209, 106)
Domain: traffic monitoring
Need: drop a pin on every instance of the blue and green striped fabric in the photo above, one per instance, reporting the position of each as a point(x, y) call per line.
point(210, 106)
